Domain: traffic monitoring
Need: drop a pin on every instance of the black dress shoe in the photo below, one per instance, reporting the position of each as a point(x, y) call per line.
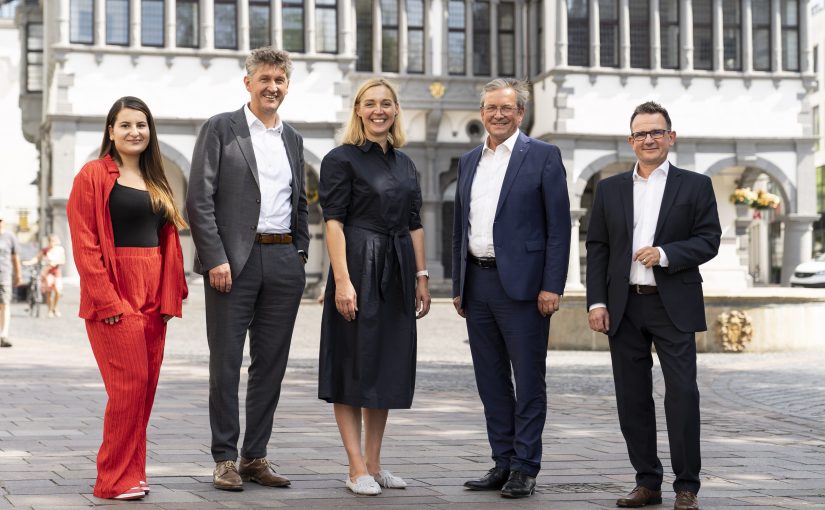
point(519, 485)
point(494, 480)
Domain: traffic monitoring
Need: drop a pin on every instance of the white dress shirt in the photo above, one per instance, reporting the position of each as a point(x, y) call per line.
point(647, 201)
point(274, 175)
point(484, 195)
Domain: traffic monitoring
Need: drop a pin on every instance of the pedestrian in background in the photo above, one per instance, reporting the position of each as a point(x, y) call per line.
point(10, 277)
point(247, 205)
point(124, 227)
point(378, 282)
point(52, 258)
point(650, 230)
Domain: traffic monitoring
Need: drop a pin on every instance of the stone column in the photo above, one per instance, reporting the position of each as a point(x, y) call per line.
point(243, 25)
point(718, 37)
point(134, 24)
point(747, 37)
point(309, 26)
point(624, 34)
point(574, 278)
point(655, 36)
point(494, 38)
point(100, 22)
point(686, 30)
point(377, 42)
point(595, 36)
point(207, 15)
point(776, 36)
point(805, 64)
point(403, 60)
point(171, 30)
point(798, 242)
point(561, 33)
point(468, 37)
point(278, 24)
point(62, 23)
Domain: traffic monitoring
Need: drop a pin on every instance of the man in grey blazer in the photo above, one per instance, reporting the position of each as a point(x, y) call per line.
point(248, 214)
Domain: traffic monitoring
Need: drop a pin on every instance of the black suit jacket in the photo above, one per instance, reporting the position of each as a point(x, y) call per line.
point(224, 198)
point(687, 230)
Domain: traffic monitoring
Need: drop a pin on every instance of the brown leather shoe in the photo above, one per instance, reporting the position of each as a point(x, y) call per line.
point(226, 476)
point(260, 471)
point(640, 496)
point(686, 500)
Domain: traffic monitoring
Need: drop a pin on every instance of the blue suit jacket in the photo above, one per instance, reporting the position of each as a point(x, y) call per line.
point(687, 230)
point(531, 232)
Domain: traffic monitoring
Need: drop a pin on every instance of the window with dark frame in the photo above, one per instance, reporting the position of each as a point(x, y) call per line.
point(389, 36)
point(703, 34)
point(761, 34)
point(81, 22)
point(151, 23)
point(117, 22)
point(226, 24)
point(481, 38)
point(187, 22)
point(789, 15)
point(578, 33)
point(639, 34)
point(363, 35)
point(34, 57)
point(609, 33)
point(732, 35)
point(456, 37)
point(507, 39)
point(415, 36)
point(260, 27)
point(293, 23)
point(326, 26)
point(669, 34)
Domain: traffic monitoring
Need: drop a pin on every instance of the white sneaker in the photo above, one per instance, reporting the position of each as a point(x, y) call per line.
point(365, 485)
point(390, 481)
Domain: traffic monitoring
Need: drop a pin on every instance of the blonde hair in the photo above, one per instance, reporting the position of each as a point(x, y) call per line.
point(354, 133)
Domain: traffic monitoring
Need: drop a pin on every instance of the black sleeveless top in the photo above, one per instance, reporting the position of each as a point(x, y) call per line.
point(133, 222)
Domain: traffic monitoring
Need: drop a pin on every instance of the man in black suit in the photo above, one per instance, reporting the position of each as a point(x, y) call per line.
point(649, 231)
point(248, 212)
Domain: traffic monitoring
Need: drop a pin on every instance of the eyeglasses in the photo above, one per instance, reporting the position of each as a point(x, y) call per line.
point(505, 110)
point(656, 134)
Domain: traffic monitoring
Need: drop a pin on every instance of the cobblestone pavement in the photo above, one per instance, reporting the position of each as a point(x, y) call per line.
point(763, 427)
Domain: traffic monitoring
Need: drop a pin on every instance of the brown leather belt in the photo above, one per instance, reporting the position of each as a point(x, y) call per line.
point(482, 262)
point(643, 289)
point(273, 238)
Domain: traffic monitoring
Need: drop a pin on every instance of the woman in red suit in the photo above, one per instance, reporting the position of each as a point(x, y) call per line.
point(124, 227)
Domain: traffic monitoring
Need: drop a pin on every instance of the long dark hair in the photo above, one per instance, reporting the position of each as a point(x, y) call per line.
point(151, 162)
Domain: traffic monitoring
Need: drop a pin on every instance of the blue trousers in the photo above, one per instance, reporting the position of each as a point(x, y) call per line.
point(508, 342)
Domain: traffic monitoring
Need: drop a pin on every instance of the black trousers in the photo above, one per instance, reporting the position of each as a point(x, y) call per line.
point(646, 321)
point(264, 302)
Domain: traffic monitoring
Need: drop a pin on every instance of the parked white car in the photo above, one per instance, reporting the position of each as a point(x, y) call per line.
point(810, 274)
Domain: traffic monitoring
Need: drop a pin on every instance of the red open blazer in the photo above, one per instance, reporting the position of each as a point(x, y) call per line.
point(93, 246)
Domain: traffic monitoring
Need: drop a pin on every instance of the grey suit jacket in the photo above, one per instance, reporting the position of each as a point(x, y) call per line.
point(224, 198)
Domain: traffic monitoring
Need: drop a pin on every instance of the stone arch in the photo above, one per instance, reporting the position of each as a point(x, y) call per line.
point(787, 188)
point(593, 168)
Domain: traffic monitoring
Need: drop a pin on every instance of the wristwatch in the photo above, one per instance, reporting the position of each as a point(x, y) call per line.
point(423, 273)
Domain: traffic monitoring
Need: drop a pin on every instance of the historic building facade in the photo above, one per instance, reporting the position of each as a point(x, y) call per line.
point(735, 75)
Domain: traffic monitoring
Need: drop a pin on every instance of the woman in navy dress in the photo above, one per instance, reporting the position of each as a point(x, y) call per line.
point(378, 282)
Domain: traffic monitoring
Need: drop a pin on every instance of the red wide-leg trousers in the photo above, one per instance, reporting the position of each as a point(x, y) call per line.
point(129, 354)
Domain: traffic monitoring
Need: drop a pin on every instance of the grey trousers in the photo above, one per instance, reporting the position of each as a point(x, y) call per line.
point(264, 301)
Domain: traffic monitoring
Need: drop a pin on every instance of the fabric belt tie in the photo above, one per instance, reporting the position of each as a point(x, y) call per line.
point(635, 288)
point(394, 258)
point(273, 238)
point(482, 262)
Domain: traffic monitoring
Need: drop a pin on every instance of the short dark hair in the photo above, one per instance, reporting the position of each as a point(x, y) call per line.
point(650, 107)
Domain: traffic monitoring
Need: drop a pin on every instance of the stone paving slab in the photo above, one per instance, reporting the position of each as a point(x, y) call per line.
point(763, 427)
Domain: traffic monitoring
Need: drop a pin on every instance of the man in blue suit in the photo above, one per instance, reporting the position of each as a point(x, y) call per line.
point(650, 229)
point(511, 243)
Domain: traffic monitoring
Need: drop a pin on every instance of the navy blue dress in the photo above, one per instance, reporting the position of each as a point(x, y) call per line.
point(370, 362)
